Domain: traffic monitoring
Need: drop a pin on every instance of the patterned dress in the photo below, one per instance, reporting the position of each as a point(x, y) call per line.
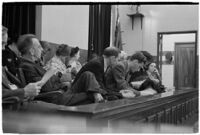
point(56, 64)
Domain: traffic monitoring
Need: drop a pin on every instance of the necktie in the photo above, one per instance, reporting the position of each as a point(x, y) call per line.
point(128, 76)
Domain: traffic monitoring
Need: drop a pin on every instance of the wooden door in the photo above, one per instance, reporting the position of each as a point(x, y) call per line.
point(184, 75)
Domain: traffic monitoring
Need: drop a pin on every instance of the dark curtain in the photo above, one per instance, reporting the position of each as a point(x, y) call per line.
point(19, 19)
point(99, 28)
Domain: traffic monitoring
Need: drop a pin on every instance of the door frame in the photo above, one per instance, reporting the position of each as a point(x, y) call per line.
point(160, 46)
point(182, 43)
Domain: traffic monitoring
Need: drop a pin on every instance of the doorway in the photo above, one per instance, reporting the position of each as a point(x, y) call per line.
point(184, 67)
point(177, 59)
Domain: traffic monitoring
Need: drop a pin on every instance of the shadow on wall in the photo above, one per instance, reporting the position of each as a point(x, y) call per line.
point(53, 47)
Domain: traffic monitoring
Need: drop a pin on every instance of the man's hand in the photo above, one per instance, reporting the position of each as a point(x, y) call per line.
point(64, 84)
point(31, 90)
point(127, 94)
point(98, 98)
point(155, 80)
point(137, 93)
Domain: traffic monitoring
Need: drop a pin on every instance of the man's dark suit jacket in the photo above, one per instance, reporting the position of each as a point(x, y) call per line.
point(138, 76)
point(6, 90)
point(95, 66)
point(34, 72)
point(116, 77)
point(10, 60)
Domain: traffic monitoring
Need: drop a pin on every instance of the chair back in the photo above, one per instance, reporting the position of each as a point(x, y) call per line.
point(11, 103)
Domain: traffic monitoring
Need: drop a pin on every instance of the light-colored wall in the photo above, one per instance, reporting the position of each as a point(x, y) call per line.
point(168, 45)
point(69, 24)
point(158, 18)
point(66, 24)
point(170, 40)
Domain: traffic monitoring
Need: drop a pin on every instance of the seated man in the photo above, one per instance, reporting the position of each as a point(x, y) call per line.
point(31, 51)
point(117, 77)
point(141, 74)
point(97, 68)
point(10, 53)
point(9, 89)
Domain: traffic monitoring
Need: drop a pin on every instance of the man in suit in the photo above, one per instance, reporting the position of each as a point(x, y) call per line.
point(9, 89)
point(141, 74)
point(97, 68)
point(31, 52)
point(10, 53)
point(117, 77)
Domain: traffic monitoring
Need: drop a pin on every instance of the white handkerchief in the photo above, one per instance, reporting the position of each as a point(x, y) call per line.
point(12, 86)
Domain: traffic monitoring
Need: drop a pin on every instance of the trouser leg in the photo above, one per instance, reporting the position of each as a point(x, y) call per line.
point(147, 83)
point(81, 91)
point(86, 83)
point(69, 98)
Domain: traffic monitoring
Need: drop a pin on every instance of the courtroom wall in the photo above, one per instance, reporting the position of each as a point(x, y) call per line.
point(66, 24)
point(158, 18)
point(169, 45)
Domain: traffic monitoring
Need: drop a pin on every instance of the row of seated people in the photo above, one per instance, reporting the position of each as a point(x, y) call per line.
point(12, 61)
point(62, 58)
point(101, 79)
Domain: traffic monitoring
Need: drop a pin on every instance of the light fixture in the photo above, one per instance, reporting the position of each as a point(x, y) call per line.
point(135, 15)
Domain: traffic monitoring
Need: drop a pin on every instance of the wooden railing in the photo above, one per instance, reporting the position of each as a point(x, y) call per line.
point(162, 108)
point(172, 108)
point(173, 114)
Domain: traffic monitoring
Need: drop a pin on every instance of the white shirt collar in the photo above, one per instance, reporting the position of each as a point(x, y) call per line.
point(105, 65)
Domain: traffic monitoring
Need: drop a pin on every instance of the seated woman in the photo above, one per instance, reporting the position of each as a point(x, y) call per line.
point(153, 73)
point(151, 84)
point(56, 64)
point(73, 64)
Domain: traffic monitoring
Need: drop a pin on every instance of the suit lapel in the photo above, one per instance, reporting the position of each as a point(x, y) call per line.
point(106, 74)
